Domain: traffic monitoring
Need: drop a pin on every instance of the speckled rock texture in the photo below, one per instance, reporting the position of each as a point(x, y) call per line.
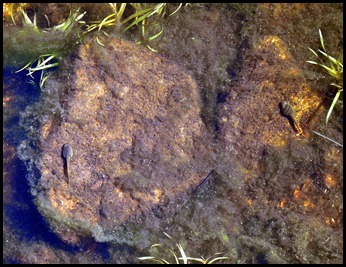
point(133, 121)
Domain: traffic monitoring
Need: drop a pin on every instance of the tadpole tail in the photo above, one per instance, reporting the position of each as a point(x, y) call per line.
point(292, 122)
point(296, 127)
point(66, 167)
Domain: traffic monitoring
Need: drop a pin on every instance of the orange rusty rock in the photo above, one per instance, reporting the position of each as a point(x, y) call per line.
point(329, 181)
point(283, 203)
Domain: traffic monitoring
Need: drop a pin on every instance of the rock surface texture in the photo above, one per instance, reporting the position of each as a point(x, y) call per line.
point(133, 121)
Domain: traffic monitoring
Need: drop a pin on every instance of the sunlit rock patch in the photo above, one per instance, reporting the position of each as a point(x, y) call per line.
point(274, 76)
point(133, 120)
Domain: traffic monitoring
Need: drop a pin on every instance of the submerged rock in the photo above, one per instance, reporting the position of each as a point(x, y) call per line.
point(275, 77)
point(139, 144)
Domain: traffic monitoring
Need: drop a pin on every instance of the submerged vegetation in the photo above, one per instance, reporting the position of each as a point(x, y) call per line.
point(147, 17)
point(46, 62)
point(150, 30)
point(43, 64)
point(335, 70)
point(183, 258)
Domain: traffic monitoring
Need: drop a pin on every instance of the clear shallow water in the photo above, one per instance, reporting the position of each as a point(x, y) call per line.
point(217, 220)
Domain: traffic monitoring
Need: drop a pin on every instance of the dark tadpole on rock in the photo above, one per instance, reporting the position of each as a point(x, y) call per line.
point(67, 153)
point(286, 110)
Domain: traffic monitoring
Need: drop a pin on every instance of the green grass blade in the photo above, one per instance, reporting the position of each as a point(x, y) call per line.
point(106, 22)
point(26, 66)
point(68, 23)
point(99, 42)
point(46, 60)
point(312, 62)
point(175, 256)
point(321, 39)
point(11, 12)
point(313, 52)
point(81, 16)
point(90, 28)
point(143, 28)
point(121, 10)
point(156, 245)
point(155, 36)
point(30, 74)
point(176, 9)
point(35, 19)
point(136, 21)
point(159, 9)
point(337, 86)
point(193, 259)
point(162, 261)
point(44, 67)
point(182, 252)
point(32, 82)
point(26, 17)
point(217, 256)
point(332, 72)
point(43, 80)
point(152, 49)
point(217, 259)
point(146, 258)
point(138, 13)
point(333, 60)
point(332, 105)
point(168, 235)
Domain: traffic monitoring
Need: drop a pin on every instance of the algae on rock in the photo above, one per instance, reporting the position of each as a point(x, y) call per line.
point(133, 120)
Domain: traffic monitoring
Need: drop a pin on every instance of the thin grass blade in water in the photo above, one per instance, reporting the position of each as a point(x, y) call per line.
point(333, 104)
